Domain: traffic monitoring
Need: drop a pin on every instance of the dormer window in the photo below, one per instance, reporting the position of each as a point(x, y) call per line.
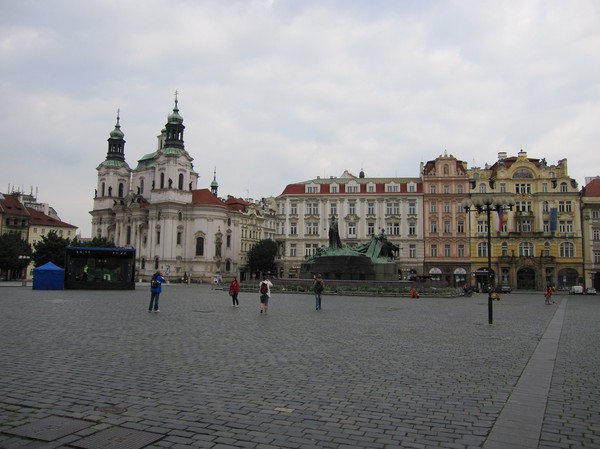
point(312, 188)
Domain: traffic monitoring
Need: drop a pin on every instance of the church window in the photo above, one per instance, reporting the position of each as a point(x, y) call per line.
point(162, 180)
point(200, 246)
point(103, 189)
point(121, 190)
point(180, 183)
point(128, 236)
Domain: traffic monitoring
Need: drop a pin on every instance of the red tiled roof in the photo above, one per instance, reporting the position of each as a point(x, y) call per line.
point(41, 219)
point(11, 205)
point(237, 204)
point(206, 197)
point(300, 189)
point(592, 188)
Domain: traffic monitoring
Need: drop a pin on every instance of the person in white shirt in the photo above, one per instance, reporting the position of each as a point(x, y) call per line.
point(264, 289)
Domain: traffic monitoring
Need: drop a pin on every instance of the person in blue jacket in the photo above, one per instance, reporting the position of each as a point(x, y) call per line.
point(155, 290)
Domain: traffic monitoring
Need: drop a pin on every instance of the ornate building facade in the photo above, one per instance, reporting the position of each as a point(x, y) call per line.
point(447, 249)
point(539, 242)
point(590, 213)
point(362, 206)
point(156, 208)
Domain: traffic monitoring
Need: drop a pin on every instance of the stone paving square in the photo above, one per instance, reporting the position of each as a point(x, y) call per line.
point(50, 428)
point(118, 438)
point(363, 372)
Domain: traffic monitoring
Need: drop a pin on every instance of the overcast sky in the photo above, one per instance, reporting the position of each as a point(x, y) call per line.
point(277, 92)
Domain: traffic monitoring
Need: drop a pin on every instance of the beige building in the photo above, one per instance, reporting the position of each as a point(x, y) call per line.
point(363, 207)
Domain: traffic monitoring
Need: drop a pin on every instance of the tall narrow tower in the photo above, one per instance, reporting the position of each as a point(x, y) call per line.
point(114, 178)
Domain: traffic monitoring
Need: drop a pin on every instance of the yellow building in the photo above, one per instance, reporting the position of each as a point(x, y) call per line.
point(539, 241)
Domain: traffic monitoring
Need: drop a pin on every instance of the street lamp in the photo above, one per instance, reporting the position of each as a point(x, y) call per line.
point(488, 203)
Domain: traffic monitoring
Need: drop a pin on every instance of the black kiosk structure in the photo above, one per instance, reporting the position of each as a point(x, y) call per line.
point(90, 268)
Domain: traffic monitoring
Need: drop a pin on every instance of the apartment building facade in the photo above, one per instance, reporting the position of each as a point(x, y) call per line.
point(446, 233)
point(590, 215)
point(537, 243)
point(363, 207)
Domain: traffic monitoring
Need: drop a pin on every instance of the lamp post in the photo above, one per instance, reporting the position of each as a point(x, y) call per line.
point(488, 203)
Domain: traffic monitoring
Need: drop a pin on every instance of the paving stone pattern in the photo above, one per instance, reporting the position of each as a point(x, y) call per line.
point(361, 373)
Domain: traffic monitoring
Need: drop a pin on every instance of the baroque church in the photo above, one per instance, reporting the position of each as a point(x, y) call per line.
point(156, 208)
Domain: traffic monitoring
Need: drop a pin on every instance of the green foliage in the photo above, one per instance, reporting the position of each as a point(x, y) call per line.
point(96, 242)
point(50, 249)
point(14, 252)
point(261, 258)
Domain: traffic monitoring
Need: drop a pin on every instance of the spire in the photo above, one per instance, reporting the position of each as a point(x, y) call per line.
point(174, 128)
point(214, 185)
point(116, 142)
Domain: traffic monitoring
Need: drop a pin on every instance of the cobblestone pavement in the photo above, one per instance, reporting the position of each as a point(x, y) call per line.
point(364, 372)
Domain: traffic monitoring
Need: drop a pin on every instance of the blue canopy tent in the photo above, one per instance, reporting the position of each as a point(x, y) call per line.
point(48, 277)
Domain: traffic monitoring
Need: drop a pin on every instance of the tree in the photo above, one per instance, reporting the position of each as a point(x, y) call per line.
point(14, 255)
point(50, 249)
point(96, 242)
point(261, 258)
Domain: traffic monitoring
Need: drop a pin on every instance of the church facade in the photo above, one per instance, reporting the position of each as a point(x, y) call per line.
point(186, 232)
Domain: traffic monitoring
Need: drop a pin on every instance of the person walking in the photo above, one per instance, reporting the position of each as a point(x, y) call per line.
point(265, 293)
point(234, 289)
point(318, 286)
point(548, 295)
point(155, 289)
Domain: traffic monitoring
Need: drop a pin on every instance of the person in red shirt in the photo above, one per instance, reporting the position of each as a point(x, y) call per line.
point(234, 290)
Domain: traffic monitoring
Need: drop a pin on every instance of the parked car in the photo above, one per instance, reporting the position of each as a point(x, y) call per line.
point(576, 290)
point(590, 291)
point(506, 289)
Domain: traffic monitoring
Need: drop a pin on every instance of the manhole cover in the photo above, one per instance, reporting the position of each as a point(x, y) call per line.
point(50, 428)
point(118, 438)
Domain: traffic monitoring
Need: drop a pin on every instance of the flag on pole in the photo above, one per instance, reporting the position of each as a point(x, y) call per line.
point(500, 219)
point(553, 219)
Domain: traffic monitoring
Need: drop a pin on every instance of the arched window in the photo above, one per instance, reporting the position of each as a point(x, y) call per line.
point(567, 249)
point(180, 183)
point(142, 186)
point(200, 246)
point(228, 265)
point(525, 249)
point(482, 188)
point(180, 216)
point(482, 249)
point(162, 180)
point(103, 189)
point(121, 190)
point(563, 187)
point(547, 249)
